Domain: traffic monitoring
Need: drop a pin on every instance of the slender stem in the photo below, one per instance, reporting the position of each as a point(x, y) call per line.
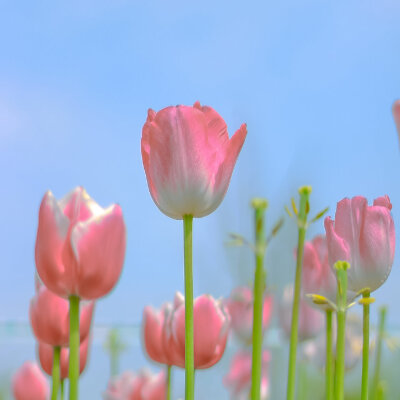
point(114, 364)
point(378, 354)
point(56, 372)
point(302, 223)
point(62, 389)
point(365, 351)
point(341, 271)
point(329, 358)
point(259, 286)
point(73, 372)
point(189, 347)
point(169, 382)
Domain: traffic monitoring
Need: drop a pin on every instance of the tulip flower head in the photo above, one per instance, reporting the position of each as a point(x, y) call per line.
point(238, 379)
point(137, 386)
point(46, 354)
point(80, 247)
point(49, 315)
point(164, 332)
point(29, 383)
point(240, 307)
point(396, 115)
point(364, 236)
point(311, 320)
point(189, 158)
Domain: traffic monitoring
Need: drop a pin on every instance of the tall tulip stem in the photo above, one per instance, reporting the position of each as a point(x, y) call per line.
point(169, 368)
point(189, 346)
point(259, 206)
point(302, 225)
point(62, 389)
point(329, 358)
point(73, 372)
point(365, 301)
point(55, 372)
point(378, 354)
point(341, 273)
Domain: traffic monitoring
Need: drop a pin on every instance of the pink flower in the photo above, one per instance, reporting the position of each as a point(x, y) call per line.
point(29, 383)
point(155, 388)
point(49, 315)
point(240, 307)
point(140, 386)
point(318, 277)
point(364, 236)
point(46, 353)
point(188, 159)
point(311, 320)
point(153, 325)
point(80, 246)
point(396, 115)
point(211, 328)
point(238, 379)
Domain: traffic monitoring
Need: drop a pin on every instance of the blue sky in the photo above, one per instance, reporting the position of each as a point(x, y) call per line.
point(313, 80)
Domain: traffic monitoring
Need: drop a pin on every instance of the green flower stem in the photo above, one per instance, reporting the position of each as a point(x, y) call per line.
point(113, 364)
point(302, 224)
point(341, 272)
point(329, 359)
point(56, 372)
point(189, 347)
point(378, 354)
point(365, 350)
point(169, 382)
point(62, 389)
point(73, 372)
point(259, 206)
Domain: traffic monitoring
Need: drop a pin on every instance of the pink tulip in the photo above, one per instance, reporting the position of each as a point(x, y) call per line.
point(364, 236)
point(240, 307)
point(188, 159)
point(49, 315)
point(155, 388)
point(318, 277)
point(238, 379)
point(153, 323)
point(396, 115)
point(46, 353)
point(80, 246)
point(311, 320)
point(29, 383)
point(211, 328)
point(140, 386)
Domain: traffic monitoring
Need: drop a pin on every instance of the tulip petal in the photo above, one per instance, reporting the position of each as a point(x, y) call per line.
point(153, 322)
point(377, 244)
point(51, 234)
point(338, 249)
point(99, 247)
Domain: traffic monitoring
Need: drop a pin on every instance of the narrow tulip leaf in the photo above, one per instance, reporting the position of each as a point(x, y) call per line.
point(288, 211)
point(320, 215)
point(294, 207)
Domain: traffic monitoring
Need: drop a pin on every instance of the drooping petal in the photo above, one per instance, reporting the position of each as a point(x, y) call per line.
point(99, 246)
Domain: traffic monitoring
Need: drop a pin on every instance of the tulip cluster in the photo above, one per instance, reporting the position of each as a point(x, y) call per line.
point(188, 159)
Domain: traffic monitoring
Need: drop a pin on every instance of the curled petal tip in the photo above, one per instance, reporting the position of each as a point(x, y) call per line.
point(383, 201)
point(151, 114)
point(197, 105)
